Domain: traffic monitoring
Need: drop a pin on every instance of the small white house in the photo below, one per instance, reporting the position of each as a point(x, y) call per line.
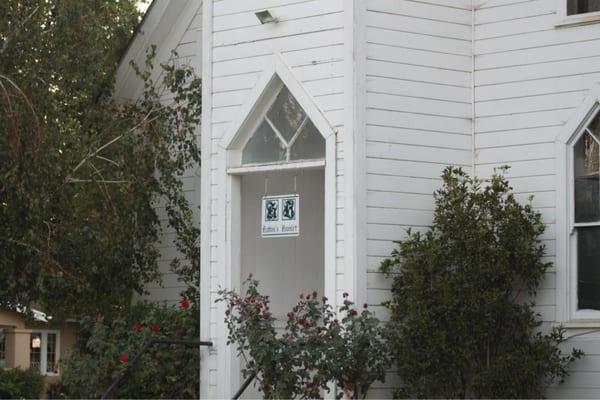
point(326, 125)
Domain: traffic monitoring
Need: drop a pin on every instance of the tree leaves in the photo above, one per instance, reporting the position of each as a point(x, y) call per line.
point(81, 174)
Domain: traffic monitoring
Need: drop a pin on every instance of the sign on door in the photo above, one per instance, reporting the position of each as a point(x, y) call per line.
point(280, 216)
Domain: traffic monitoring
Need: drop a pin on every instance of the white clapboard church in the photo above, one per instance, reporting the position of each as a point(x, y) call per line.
point(326, 125)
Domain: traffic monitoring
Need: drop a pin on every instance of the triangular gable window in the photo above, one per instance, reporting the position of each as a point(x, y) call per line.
point(284, 134)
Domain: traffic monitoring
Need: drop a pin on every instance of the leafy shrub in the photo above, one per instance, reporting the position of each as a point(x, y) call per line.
point(16, 383)
point(316, 348)
point(458, 329)
point(105, 349)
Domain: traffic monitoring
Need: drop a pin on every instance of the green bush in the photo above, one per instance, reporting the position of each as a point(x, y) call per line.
point(16, 383)
point(105, 349)
point(458, 329)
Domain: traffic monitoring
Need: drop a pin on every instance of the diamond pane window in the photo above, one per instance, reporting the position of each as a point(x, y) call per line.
point(308, 145)
point(285, 134)
point(264, 146)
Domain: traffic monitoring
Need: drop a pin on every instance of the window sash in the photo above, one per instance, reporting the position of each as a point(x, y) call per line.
point(575, 312)
point(43, 363)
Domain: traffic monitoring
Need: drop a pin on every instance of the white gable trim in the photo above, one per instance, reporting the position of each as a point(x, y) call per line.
point(580, 116)
point(276, 69)
point(164, 26)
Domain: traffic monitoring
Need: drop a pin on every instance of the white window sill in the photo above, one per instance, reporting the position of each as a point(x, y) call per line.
point(577, 20)
point(584, 324)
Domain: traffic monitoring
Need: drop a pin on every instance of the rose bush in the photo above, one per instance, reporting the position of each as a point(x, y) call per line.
point(318, 345)
point(105, 349)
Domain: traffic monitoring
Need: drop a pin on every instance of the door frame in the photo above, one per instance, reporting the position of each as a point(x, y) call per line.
point(230, 172)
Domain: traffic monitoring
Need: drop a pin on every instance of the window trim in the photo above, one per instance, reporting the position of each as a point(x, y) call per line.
point(3, 341)
point(566, 233)
point(564, 20)
point(44, 349)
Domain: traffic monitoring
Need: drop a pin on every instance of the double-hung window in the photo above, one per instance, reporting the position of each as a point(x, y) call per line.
point(585, 214)
point(44, 351)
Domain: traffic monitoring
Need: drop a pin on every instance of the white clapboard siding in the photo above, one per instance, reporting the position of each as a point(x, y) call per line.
point(310, 38)
point(169, 26)
point(419, 120)
point(529, 78)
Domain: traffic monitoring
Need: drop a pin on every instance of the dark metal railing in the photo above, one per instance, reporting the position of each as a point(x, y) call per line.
point(242, 388)
point(145, 348)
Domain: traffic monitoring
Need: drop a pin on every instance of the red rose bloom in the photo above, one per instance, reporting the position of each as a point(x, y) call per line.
point(184, 304)
point(345, 294)
point(324, 299)
point(314, 295)
point(138, 328)
point(353, 312)
point(365, 305)
point(155, 328)
point(124, 358)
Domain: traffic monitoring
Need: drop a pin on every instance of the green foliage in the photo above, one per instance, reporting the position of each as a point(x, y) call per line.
point(315, 348)
point(105, 349)
point(81, 174)
point(16, 383)
point(458, 329)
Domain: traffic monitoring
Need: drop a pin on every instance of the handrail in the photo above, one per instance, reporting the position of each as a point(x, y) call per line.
point(242, 388)
point(145, 347)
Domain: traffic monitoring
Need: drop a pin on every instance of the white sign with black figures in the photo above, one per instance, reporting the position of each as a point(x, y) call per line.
point(280, 216)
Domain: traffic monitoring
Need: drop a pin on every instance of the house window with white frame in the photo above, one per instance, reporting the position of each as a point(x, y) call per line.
point(44, 351)
point(2, 348)
point(575, 7)
point(586, 214)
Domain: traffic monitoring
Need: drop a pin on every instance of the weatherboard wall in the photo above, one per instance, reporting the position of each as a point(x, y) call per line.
point(418, 120)
point(310, 38)
point(531, 72)
point(169, 25)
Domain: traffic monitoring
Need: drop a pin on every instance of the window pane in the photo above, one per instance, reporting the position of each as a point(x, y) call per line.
point(588, 268)
point(263, 146)
point(582, 6)
point(35, 350)
point(286, 114)
point(587, 201)
point(594, 126)
point(51, 365)
point(2, 349)
point(309, 145)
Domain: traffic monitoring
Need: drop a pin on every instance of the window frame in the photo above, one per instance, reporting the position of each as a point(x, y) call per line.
point(577, 314)
point(567, 313)
point(44, 349)
point(264, 104)
point(3, 347)
point(564, 20)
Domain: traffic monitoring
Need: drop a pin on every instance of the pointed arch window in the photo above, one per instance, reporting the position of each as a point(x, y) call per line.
point(586, 214)
point(284, 134)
